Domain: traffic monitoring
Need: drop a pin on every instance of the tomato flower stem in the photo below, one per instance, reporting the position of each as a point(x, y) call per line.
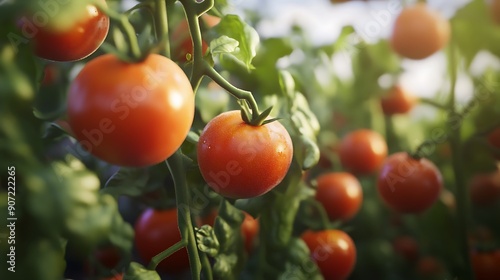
point(176, 166)
point(161, 26)
point(125, 24)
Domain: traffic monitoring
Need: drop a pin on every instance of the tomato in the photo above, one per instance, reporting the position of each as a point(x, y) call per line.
point(397, 101)
point(409, 185)
point(406, 246)
point(74, 43)
point(131, 114)
point(486, 265)
point(485, 188)
point(249, 229)
point(333, 251)
point(429, 266)
point(419, 32)
point(362, 151)
point(109, 257)
point(239, 160)
point(495, 11)
point(340, 193)
point(183, 44)
point(155, 231)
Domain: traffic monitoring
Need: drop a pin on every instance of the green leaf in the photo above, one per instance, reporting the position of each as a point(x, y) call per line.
point(137, 272)
point(248, 39)
point(207, 240)
point(474, 30)
point(223, 44)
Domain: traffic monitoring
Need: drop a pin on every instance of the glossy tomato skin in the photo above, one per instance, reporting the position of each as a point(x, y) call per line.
point(131, 114)
point(239, 160)
point(397, 101)
point(333, 251)
point(155, 231)
point(485, 189)
point(75, 43)
point(362, 151)
point(340, 193)
point(486, 265)
point(419, 32)
point(408, 185)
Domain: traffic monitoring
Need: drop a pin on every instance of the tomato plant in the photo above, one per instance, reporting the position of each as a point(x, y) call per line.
point(486, 265)
point(183, 45)
point(72, 43)
point(333, 251)
point(249, 229)
point(148, 107)
point(239, 160)
point(409, 185)
point(362, 151)
point(397, 101)
point(419, 32)
point(340, 193)
point(155, 231)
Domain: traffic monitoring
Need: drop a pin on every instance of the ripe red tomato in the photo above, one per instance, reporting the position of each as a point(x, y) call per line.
point(419, 32)
point(409, 185)
point(131, 114)
point(239, 160)
point(155, 231)
point(340, 193)
point(397, 101)
point(406, 246)
point(485, 188)
point(249, 229)
point(486, 265)
point(333, 251)
point(74, 43)
point(362, 151)
point(495, 11)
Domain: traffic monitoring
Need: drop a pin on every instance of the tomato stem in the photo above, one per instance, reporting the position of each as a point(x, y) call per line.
point(234, 91)
point(433, 103)
point(456, 148)
point(125, 24)
point(176, 166)
point(165, 254)
point(161, 26)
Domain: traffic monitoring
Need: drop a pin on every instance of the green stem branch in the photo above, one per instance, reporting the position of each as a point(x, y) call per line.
point(236, 92)
point(126, 26)
point(458, 170)
point(176, 166)
point(161, 26)
point(165, 254)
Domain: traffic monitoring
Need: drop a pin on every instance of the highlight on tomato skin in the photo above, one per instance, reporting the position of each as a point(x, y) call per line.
point(239, 160)
point(76, 43)
point(419, 32)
